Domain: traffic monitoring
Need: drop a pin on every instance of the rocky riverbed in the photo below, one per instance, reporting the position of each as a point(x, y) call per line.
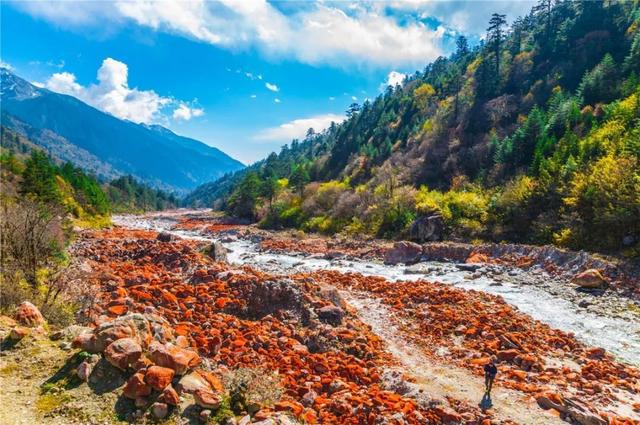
point(599, 318)
point(197, 320)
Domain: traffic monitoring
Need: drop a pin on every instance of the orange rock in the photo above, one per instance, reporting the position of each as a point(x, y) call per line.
point(173, 357)
point(136, 387)
point(170, 396)
point(476, 257)
point(447, 415)
point(596, 353)
point(507, 355)
point(117, 310)
point(519, 374)
point(207, 399)
point(591, 278)
point(309, 416)
point(86, 342)
point(123, 353)
point(28, 314)
point(213, 380)
point(222, 301)
point(159, 377)
point(287, 405)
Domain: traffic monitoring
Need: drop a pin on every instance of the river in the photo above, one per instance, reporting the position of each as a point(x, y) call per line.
point(619, 334)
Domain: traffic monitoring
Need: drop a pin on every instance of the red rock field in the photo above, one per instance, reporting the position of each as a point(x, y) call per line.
point(193, 339)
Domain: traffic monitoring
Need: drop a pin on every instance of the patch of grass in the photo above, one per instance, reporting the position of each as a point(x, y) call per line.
point(8, 369)
point(223, 413)
point(252, 387)
point(50, 401)
point(93, 222)
point(634, 308)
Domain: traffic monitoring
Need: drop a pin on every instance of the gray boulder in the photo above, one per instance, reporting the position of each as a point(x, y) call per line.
point(331, 314)
point(165, 237)
point(403, 252)
point(217, 252)
point(427, 229)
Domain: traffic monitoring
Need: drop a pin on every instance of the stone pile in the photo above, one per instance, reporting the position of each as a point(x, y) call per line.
point(164, 306)
point(144, 347)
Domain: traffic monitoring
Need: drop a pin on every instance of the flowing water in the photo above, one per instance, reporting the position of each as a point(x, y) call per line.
point(619, 335)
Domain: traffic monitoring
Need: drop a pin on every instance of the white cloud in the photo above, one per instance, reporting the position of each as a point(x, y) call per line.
point(38, 84)
point(252, 76)
point(468, 16)
point(253, 96)
point(332, 98)
point(394, 78)
point(65, 83)
point(272, 87)
point(354, 98)
point(184, 112)
point(71, 13)
point(364, 35)
point(319, 33)
point(297, 129)
point(113, 95)
point(276, 100)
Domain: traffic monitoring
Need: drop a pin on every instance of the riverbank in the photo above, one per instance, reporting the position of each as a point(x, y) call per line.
point(602, 318)
point(335, 336)
point(516, 286)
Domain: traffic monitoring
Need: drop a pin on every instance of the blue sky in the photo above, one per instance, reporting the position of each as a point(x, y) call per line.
point(245, 76)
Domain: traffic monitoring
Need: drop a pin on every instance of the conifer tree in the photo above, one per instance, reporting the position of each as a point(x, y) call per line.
point(496, 38)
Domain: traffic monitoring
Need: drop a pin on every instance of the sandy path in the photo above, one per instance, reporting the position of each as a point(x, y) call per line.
point(440, 379)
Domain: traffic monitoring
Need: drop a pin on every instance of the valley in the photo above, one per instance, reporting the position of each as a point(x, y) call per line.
point(343, 337)
point(436, 220)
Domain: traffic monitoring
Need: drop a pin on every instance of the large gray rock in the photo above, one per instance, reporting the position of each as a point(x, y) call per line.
point(165, 237)
point(403, 252)
point(427, 229)
point(144, 328)
point(331, 314)
point(582, 414)
point(217, 252)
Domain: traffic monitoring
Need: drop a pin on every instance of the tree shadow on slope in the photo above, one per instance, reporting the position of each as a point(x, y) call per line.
point(65, 377)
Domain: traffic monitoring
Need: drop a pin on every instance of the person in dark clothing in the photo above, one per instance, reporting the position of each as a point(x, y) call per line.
point(490, 372)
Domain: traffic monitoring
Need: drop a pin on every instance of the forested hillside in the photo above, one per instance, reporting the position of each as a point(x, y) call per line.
point(30, 170)
point(531, 136)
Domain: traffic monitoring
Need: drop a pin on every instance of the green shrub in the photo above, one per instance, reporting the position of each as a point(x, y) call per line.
point(283, 215)
point(395, 222)
point(605, 198)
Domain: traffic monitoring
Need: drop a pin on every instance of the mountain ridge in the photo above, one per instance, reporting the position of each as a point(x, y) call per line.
point(158, 157)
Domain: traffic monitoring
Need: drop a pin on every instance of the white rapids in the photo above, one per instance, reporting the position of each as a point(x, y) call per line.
point(620, 336)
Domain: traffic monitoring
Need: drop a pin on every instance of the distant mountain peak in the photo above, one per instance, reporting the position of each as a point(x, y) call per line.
point(14, 87)
point(93, 139)
point(158, 129)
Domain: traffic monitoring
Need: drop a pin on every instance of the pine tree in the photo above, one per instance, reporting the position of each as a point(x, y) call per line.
point(39, 178)
point(496, 38)
point(462, 46)
point(516, 38)
point(243, 201)
point(299, 178)
point(544, 12)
